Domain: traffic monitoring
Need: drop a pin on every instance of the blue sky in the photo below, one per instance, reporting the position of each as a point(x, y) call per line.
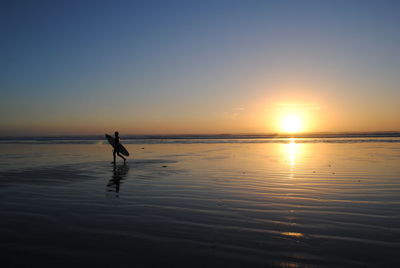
point(196, 66)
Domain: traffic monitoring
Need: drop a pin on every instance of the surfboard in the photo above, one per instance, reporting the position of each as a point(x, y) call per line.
point(121, 148)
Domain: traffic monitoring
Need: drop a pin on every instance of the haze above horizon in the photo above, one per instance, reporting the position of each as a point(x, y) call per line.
point(199, 67)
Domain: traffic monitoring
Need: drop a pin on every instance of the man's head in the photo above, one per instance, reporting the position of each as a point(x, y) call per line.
point(116, 133)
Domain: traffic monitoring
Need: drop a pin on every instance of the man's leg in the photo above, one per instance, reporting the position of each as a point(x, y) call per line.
point(122, 157)
point(114, 156)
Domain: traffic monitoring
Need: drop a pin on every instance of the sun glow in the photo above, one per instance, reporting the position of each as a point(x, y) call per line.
point(291, 123)
point(290, 118)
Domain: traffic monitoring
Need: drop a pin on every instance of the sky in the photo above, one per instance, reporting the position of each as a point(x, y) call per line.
point(197, 67)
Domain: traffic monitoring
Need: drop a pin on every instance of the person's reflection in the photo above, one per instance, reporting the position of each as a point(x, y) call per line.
point(119, 174)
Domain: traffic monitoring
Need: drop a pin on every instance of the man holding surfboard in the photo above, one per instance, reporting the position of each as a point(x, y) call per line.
point(119, 149)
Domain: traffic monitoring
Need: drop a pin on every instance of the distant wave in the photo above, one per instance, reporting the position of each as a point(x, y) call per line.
point(386, 137)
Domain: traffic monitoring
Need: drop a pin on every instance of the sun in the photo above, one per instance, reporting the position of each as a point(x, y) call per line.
point(291, 118)
point(291, 123)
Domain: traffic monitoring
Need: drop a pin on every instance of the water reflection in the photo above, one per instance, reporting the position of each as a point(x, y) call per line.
point(291, 150)
point(292, 234)
point(119, 174)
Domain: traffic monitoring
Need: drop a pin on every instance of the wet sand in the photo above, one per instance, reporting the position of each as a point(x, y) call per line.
point(201, 205)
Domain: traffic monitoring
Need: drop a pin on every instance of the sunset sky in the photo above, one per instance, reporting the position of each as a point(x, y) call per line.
point(175, 67)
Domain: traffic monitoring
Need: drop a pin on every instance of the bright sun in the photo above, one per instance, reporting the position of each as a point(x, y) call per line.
point(291, 124)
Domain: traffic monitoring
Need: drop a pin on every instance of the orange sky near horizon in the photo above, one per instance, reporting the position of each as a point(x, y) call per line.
point(317, 110)
point(263, 116)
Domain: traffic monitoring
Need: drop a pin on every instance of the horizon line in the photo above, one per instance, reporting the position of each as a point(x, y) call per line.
point(269, 134)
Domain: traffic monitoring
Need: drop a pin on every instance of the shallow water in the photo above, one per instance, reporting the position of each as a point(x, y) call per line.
point(291, 204)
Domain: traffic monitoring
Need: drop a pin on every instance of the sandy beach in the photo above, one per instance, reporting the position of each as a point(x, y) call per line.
point(201, 205)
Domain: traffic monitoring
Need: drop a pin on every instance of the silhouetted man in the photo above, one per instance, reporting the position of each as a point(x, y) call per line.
point(117, 147)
